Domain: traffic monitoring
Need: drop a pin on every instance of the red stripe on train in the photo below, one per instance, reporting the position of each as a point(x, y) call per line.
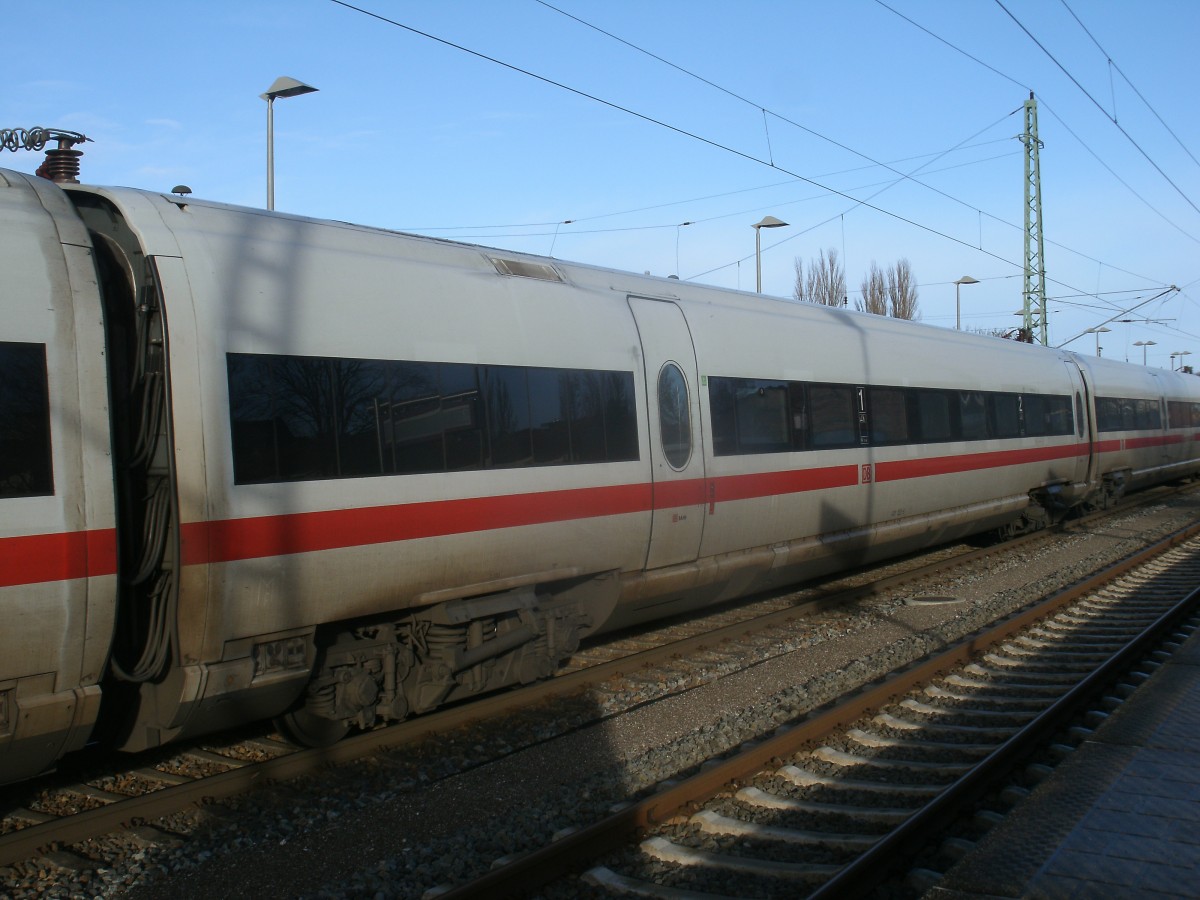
point(60, 557)
point(252, 538)
point(901, 469)
point(1156, 441)
point(263, 536)
point(768, 484)
point(38, 558)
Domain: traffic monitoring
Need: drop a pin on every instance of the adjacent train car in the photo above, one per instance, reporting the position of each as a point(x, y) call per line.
point(1145, 423)
point(58, 560)
point(338, 475)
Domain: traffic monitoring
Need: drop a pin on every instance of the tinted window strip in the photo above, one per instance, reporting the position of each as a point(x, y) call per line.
point(1140, 414)
point(755, 415)
point(298, 418)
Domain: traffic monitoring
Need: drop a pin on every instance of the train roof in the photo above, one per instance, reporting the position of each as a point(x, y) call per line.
point(155, 217)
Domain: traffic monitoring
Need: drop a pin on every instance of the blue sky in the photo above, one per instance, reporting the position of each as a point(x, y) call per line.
point(798, 102)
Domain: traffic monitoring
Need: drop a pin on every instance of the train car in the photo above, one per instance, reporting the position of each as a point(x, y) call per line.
point(1145, 422)
point(353, 475)
point(58, 559)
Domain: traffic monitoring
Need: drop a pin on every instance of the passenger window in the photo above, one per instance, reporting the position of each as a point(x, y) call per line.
point(1108, 413)
point(587, 417)
point(1148, 415)
point(507, 406)
point(723, 413)
point(549, 390)
point(674, 420)
point(972, 409)
point(933, 408)
point(754, 415)
point(1034, 409)
point(799, 410)
point(252, 418)
point(300, 418)
point(1058, 415)
point(762, 417)
point(834, 421)
point(620, 417)
point(1176, 414)
point(25, 467)
point(1128, 414)
point(1006, 415)
point(411, 420)
point(360, 447)
point(889, 416)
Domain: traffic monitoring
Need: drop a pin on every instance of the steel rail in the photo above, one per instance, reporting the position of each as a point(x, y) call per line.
point(541, 866)
point(878, 863)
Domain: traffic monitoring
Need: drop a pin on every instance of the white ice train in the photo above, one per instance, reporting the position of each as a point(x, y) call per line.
point(254, 465)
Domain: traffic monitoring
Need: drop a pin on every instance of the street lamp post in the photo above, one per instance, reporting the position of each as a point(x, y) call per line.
point(767, 222)
point(966, 279)
point(1181, 354)
point(282, 87)
point(1099, 331)
point(1144, 345)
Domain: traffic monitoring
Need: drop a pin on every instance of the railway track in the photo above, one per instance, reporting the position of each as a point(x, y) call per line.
point(832, 806)
point(46, 818)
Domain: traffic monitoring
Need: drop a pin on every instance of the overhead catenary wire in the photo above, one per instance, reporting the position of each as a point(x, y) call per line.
point(1044, 105)
point(1100, 107)
point(758, 106)
point(762, 187)
point(696, 221)
point(1132, 86)
point(1124, 312)
point(706, 140)
point(858, 202)
point(683, 132)
point(836, 143)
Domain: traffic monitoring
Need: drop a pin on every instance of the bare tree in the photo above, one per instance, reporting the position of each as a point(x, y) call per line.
point(874, 292)
point(885, 292)
point(902, 291)
point(800, 291)
point(824, 283)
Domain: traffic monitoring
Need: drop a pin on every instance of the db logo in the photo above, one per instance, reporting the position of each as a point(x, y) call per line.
point(867, 473)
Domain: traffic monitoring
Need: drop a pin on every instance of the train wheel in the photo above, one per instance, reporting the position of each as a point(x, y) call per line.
point(302, 727)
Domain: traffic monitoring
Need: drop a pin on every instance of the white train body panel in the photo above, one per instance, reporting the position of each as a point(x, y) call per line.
point(455, 309)
point(367, 431)
point(771, 518)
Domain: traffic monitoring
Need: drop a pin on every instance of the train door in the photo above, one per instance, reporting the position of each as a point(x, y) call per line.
point(1084, 405)
point(1169, 454)
point(676, 454)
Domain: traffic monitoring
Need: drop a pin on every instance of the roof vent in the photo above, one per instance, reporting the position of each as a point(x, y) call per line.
point(523, 269)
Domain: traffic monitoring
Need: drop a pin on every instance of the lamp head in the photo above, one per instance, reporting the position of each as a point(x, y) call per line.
point(285, 86)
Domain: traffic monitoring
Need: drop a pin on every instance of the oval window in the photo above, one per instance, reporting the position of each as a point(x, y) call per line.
point(675, 423)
